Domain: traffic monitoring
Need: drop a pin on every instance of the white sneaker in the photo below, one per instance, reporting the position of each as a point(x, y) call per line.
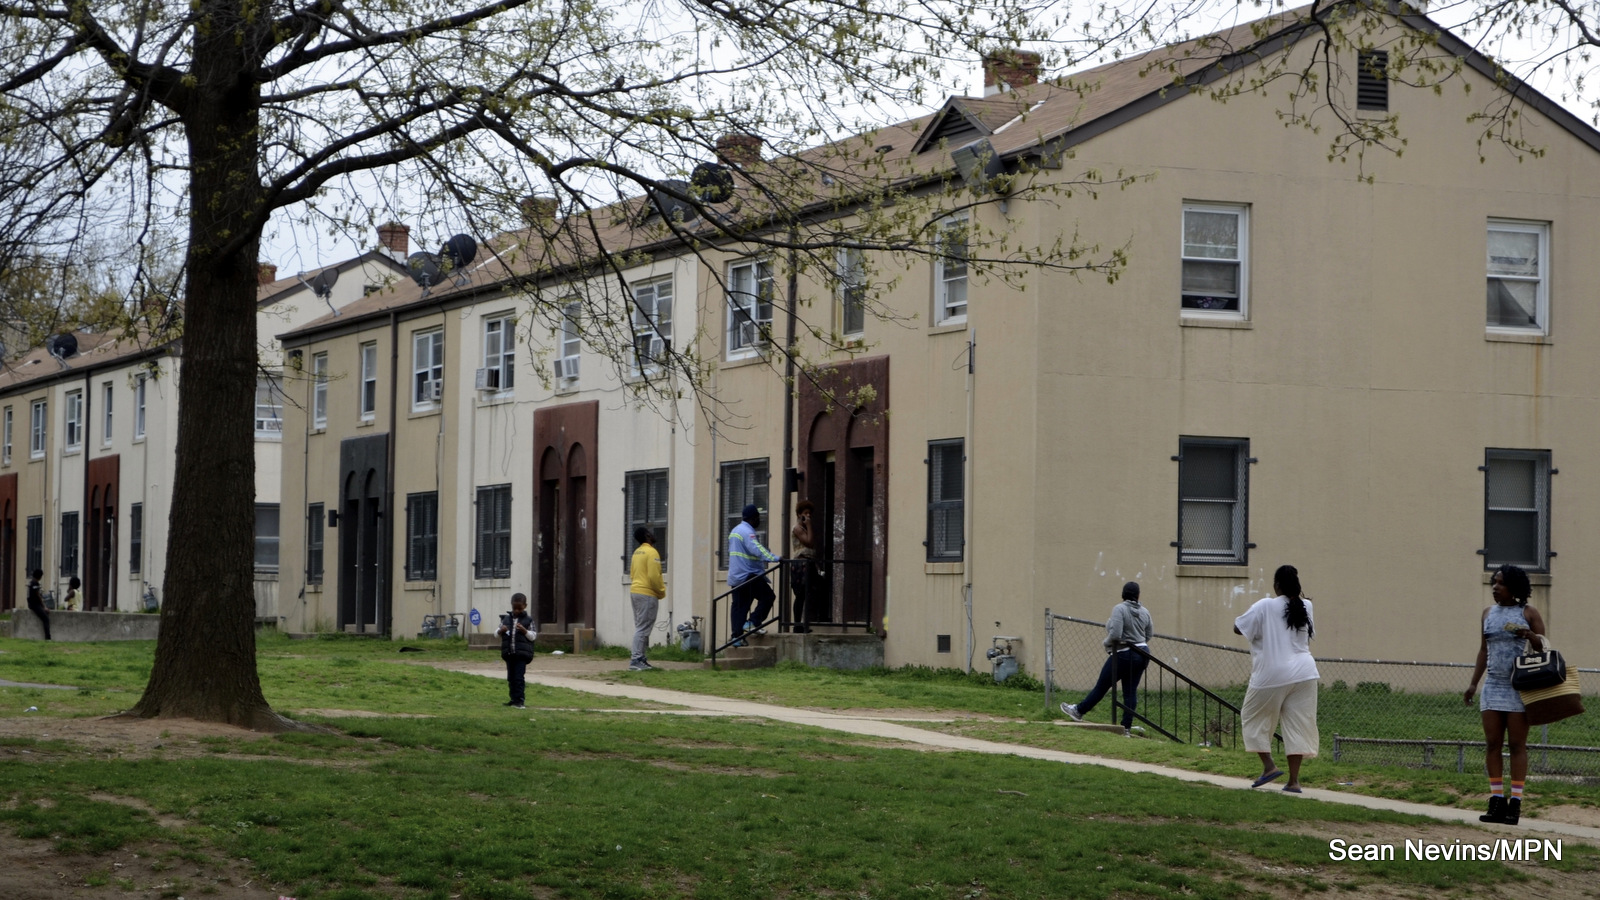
point(1127, 732)
point(1071, 709)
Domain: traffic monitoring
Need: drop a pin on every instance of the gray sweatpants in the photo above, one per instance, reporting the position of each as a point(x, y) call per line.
point(644, 620)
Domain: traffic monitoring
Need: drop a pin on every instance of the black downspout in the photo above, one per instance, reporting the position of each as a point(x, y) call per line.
point(386, 547)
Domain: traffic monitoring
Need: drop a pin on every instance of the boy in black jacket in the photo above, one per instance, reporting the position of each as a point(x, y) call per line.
point(517, 634)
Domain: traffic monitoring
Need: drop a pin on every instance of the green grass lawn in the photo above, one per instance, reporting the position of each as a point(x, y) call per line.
point(486, 802)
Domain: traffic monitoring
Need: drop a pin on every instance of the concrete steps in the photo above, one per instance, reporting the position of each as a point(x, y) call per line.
point(755, 656)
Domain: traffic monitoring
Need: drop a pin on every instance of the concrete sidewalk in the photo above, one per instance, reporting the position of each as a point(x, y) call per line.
point(896, 730)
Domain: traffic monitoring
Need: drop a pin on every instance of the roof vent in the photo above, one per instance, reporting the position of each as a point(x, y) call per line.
point(1372, 80)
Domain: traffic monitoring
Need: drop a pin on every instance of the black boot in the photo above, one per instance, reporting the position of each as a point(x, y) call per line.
point(1497, 810)
point(1513, 811)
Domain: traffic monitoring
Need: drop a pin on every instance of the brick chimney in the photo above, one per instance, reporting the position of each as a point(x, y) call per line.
point(1007, 70)
point(539, 208)
point(266, 273)
point(739, 149)
point(396, 237)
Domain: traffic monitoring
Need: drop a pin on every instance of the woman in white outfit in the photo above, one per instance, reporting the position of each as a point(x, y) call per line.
point(1283, 678)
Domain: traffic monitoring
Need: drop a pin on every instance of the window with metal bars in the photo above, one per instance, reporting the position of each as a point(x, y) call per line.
point(644, 503)
point(494, 532)
point(314, 525)
point(946, 499)
point(35, 544)
point(743, 482)
point(1213, 500)
point(422, 536)
point(1516, 509)
point(135, 538)
point(69, 544)
point(1372, 80)
point(267, 533)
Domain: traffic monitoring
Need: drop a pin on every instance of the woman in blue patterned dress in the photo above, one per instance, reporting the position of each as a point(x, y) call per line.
point(1506, 626)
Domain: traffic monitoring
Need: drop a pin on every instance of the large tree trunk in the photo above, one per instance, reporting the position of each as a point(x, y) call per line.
point(205, 664)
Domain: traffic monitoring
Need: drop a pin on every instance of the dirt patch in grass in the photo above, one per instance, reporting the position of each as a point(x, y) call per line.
point(359, 714)
point(1570, 814)
point(134, 738)
point(33, 870)
point(914, 715)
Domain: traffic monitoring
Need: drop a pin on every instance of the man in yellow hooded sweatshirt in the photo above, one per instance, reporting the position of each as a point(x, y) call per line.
point(647, 591)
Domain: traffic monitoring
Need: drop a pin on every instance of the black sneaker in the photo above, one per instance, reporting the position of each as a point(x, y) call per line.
point(1497, 810)
point(1513, 811)
point(640, 665)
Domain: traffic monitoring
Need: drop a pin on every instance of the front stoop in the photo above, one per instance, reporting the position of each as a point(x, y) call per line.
point(757, 655)
point(820, 650)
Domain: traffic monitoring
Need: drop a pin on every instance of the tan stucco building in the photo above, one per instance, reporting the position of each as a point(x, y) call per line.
point(88, 440)
point(1297, 365)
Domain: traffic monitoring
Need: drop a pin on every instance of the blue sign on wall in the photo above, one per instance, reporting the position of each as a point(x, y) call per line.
point(475, 617)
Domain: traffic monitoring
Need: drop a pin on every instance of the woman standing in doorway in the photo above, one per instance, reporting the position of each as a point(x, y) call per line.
point(1505, 627)
point(802, 565)
point(1283, 677)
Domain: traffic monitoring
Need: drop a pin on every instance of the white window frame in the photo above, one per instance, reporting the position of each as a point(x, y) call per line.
point(72, 422)
point(319, 390)
point(38, 428)
point(948, 308)
point(269, 409)
point(139, 383)
point(367, 401)
point(851, 275)
point(1537, 516)
point(1195, 503)
point(500, 349)
point(268, 547)
point(748, 281)
point(107, 394)
point(652, 322)
point(5, 438)
point(1241, 213)
point(427, 367)
point(1541, 280)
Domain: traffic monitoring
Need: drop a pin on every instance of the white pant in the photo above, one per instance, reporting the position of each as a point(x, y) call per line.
point(1295, 705)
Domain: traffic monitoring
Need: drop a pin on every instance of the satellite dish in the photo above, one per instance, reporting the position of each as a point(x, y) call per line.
point(712, 183)
point(424, 269)
point(63, 346)
point(459, 251)
point(670, 200)
point(322, 285)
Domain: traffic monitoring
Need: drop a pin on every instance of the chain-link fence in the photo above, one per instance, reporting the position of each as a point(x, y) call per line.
point(1381, 712)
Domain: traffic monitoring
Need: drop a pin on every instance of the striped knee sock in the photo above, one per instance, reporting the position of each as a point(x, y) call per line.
point(1497, 787)
point(1516, 790)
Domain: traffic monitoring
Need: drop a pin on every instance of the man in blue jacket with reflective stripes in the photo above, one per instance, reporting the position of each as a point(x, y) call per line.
point(747, 565)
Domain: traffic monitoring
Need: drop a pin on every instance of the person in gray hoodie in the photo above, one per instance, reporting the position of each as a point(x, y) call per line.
point(1127, 640)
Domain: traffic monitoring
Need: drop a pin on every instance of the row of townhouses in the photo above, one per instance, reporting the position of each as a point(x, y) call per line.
point(1374, 379)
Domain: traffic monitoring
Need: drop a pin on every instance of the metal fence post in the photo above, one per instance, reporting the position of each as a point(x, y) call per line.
point(1049, 659)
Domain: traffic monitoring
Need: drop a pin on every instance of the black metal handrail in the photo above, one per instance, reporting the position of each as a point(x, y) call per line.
point(1212, 732)
point(835, 571)
point(718, 648)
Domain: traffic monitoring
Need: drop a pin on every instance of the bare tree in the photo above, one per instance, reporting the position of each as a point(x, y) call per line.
point(221, 113)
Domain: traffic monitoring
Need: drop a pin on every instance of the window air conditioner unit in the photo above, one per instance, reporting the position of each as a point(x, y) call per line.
point(566, 368)
point(488, 379)
point(433, 391)
point(750, 335)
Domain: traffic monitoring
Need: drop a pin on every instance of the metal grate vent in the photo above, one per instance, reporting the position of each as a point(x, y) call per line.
point(1372, 79)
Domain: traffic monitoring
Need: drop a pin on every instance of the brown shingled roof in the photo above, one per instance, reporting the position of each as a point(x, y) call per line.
point(95, 351)
point(1032, 119)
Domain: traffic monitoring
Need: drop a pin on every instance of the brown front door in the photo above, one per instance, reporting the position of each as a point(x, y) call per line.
point(100, 535)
